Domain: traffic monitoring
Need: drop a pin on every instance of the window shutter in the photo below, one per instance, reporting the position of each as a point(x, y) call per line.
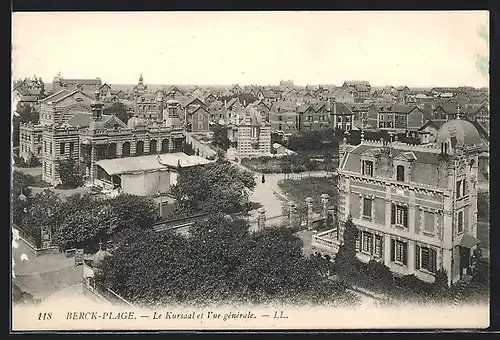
point(393, 214)
point(405, 253)
point(393, 250)
point(362, 167)
point(405, 217)
point(432, 260)
point(417, 257)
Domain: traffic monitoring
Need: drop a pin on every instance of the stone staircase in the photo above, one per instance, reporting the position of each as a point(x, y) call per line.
point(461, 287)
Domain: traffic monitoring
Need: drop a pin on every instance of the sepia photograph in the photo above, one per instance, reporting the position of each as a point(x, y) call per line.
point(250, 170)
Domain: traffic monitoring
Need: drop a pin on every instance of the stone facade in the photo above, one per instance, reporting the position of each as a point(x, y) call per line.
point(253, 136)
point(149, 107)
point(415, 207)
point(30, 141)
point(90, 85)
point(90, 136)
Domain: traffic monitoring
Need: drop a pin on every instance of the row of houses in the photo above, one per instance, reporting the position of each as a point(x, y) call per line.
point(291, 109)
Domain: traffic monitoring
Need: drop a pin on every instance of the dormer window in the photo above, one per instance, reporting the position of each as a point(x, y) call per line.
point(400, 173)
point(367, 169)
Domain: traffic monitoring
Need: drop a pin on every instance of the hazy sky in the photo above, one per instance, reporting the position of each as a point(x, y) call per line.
point(385, 48)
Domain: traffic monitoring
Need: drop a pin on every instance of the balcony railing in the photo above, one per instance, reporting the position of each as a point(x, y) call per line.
point(326, 240)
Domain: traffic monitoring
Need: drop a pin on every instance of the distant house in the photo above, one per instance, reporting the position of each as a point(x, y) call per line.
point(360, 112)
point(263, 108)
point(105, 90)
point(284, 118)
point(357, 85)
point(343, 117)
point(210, 98)
point(198, 120)
point(314, 117)
point(236, 90)
point(196, 115)
point(428, 132)
point(251, 135)
point(396, 116)
point(344, 96)
point(267, 96)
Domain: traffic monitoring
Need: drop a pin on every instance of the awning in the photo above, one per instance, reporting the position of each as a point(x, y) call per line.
point(468, 241)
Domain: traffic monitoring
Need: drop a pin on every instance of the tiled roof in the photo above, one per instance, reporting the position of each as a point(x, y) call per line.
point(83, 119)
point(341, 109)
point(193, 100)
point(268, 94)
point(303, 108)
point(425, 163)
point(231, 102)
point(22, 91)
point(252, 117)
point(287, 106)
point(437, 123)
point(56, 96)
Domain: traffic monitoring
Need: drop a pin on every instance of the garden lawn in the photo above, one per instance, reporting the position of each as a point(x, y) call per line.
point(299, 190)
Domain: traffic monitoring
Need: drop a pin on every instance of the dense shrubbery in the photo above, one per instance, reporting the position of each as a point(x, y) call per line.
point(376, 277)
point(82, 220)
point(220, 263)
point(70, 173)
point(286, 164)
point(219, 186)
point(19, 162)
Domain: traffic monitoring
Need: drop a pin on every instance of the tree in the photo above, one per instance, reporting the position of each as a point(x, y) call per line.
point(119, 110)
point(21, 183)
point(134, 212)
point(220, 138)
point(88, 220)
point(43, 211)
point(70, 173)
point(221, 262)
point(219, 186)
point(346, 260)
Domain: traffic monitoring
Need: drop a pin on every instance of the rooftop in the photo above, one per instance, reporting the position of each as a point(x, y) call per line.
point(129, 165)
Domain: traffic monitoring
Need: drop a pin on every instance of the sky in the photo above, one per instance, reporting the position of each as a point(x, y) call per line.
point(416, 49)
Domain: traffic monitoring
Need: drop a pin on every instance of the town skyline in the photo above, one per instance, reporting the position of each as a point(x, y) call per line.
point(311, 56)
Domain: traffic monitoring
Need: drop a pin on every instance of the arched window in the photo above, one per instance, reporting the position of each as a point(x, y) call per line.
point(164, 146)
point(126, 149)
point(112, 150)
point(139, 148)
point(152, 147)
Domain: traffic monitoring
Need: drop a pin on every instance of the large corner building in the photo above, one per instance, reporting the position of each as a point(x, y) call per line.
point(415, 207)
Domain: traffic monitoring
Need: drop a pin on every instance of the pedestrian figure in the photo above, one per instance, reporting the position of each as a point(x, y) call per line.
point(263, 178)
